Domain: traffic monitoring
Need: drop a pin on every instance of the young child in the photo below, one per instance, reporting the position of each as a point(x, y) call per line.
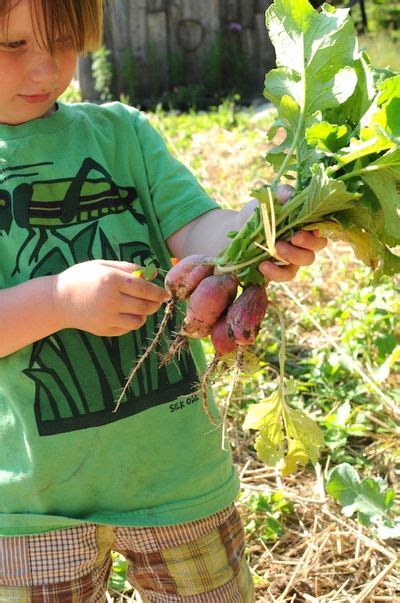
point(86, 194)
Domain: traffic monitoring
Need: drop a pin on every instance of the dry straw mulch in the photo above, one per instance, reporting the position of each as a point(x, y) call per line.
point(323, 556)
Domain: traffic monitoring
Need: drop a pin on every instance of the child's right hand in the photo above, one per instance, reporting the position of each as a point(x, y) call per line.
point(104, 297)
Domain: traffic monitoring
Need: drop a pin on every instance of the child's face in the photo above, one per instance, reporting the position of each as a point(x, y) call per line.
point(31, 79)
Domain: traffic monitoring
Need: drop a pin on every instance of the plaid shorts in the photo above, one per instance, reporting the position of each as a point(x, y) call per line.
point(197, 562)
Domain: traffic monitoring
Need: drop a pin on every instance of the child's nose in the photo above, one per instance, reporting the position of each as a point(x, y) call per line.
point(43, 67)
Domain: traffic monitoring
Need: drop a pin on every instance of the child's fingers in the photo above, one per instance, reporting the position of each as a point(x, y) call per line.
point(294, 255)
point(130, 322)
point(309, 240)
point(135, 305)
point(276, 273)
point(135, 285)
point(120, 265)
point(284, 192)
point(140, 288)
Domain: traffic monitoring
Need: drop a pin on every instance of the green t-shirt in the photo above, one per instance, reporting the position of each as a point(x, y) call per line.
point(94, 182)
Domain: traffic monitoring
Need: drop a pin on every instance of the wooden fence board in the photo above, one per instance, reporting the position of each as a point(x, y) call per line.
point(158, 51)
point(247, 13)
point(230, 11)
point(154, 6)
point(165, 38)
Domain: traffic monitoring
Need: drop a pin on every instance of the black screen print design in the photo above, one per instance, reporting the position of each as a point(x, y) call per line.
point(79, 376)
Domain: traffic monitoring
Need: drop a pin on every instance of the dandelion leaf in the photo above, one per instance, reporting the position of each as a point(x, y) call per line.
point(325, 196)
point(266, 418)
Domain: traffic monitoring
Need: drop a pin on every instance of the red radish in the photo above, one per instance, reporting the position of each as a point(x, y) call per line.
point(220, 339)
point(207, 302)
point(184, 276)
point(223, 345)
point(212, 309)
point(246, 314)
point(234, 330)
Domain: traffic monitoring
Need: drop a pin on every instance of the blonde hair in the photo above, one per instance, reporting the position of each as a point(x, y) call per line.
point(81, 21)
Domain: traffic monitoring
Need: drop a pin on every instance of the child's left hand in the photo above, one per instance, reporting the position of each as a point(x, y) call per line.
point(300, 251)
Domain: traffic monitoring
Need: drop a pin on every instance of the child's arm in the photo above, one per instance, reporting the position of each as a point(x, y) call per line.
point(101, 297)
point(208, 235)
point(174, 189)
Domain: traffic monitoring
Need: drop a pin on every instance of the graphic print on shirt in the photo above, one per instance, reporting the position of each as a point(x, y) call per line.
point(78, 376)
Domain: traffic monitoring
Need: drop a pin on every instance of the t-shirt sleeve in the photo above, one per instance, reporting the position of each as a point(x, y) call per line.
point(177, 196)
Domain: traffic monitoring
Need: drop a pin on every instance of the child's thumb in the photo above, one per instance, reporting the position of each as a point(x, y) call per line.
point(121, 265)
point(135, 269)
point(284, 192)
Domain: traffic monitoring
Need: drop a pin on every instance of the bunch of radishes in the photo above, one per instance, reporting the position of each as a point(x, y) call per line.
point(214, 306)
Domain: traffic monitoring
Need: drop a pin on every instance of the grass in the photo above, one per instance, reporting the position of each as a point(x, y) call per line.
point(383, 48)
point(343, 342)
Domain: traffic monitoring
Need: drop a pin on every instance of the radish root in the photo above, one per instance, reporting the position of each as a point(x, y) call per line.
point(168, 312)
point(203, 388)
point(235, 378)
point(176, 346)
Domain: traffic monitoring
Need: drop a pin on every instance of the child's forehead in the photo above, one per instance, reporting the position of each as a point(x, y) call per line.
point(10, 9)
point(22, 19)
point(18, 13)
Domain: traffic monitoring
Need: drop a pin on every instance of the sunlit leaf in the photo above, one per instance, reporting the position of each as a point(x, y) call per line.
point(361, 242)
point(287, 437)
point(369, 498)
point(304, 439)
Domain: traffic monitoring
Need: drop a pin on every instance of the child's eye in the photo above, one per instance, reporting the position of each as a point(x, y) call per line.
point(12, 45)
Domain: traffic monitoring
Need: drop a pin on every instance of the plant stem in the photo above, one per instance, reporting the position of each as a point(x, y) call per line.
point(243, 234)
point(370, 168)
point(291, 205)
point(225, 263)
point(269, 224)
point(282, 349)
point(236, 267)
point(287, 227)
point(299, 129)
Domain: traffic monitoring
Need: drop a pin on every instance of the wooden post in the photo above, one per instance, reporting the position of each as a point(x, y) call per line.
point(86, 83)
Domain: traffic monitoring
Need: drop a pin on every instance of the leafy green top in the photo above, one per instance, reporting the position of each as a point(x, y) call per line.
point(342, 150)
point(342, 144)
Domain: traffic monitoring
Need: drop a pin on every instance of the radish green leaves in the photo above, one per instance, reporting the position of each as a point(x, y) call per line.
point(341, 148)
point(341, 151)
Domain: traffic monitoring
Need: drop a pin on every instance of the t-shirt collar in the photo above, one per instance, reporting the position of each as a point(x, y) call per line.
point(57, 120)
